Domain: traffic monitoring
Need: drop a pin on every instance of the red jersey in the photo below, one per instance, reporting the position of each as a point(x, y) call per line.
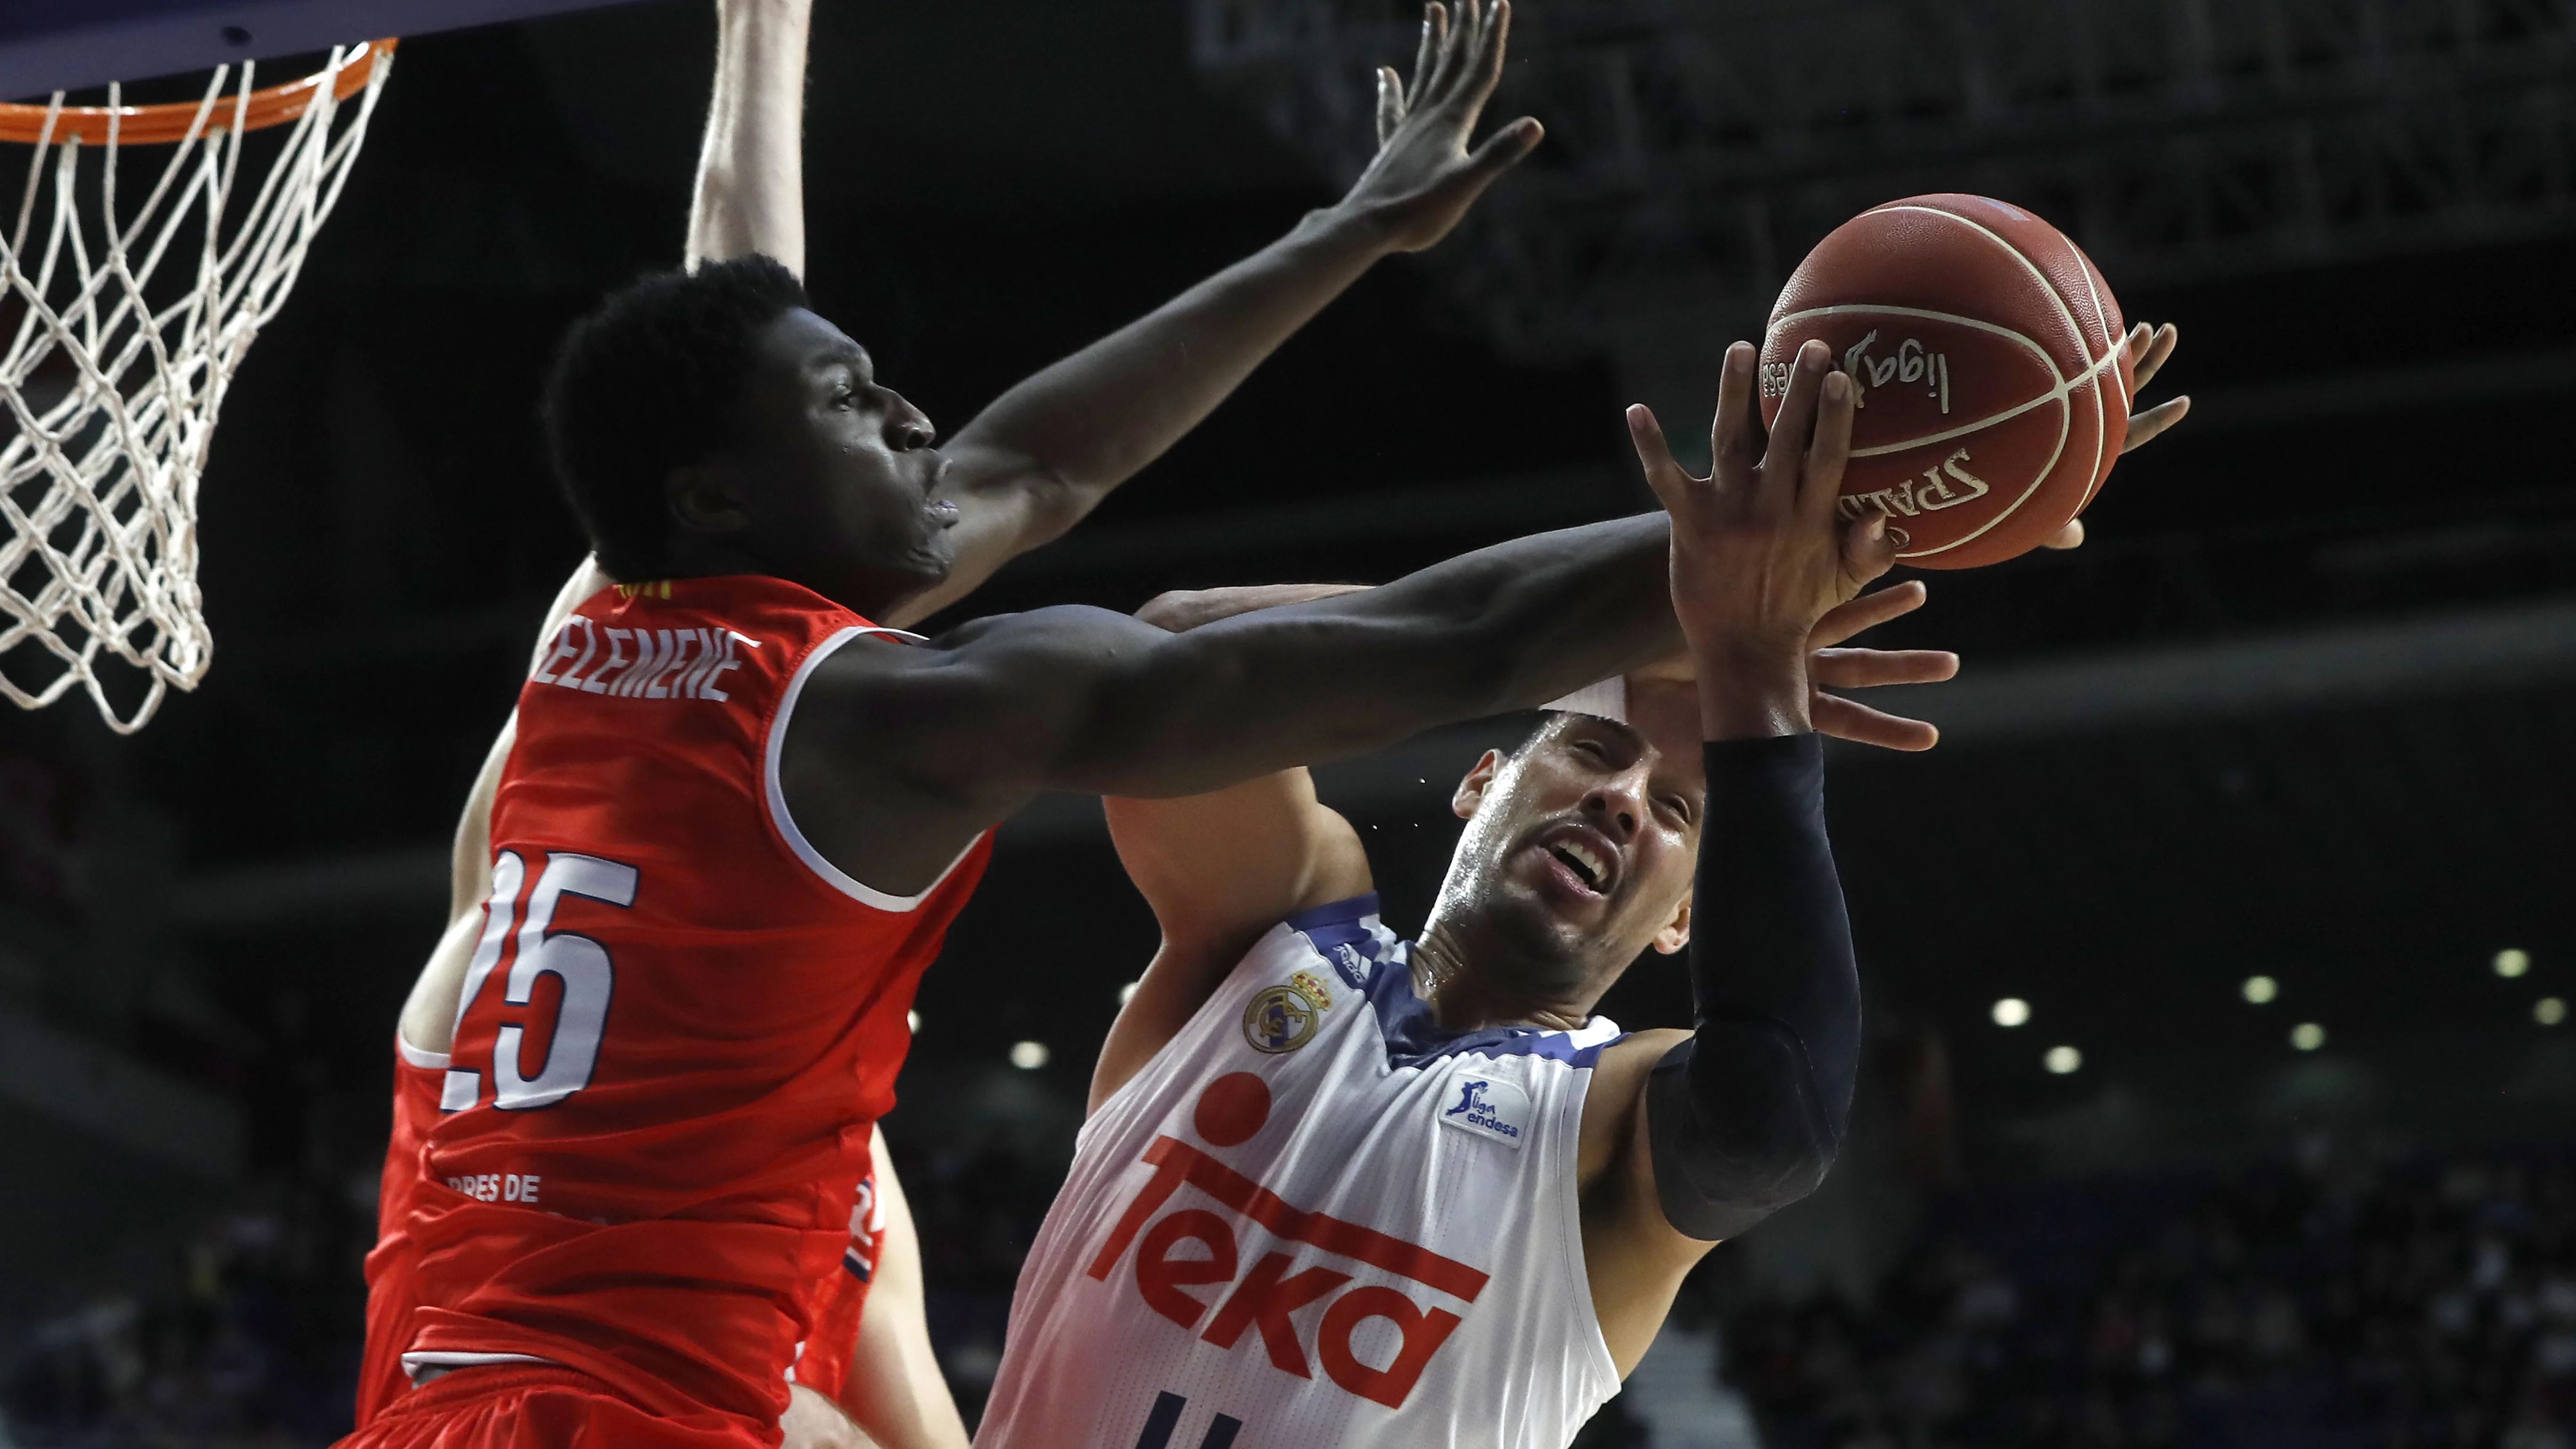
point(837, 1300)
point(680, 1022)
point(391, 1292)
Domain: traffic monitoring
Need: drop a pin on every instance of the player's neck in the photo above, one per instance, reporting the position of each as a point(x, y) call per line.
point(707, 558)
point(1465, 998)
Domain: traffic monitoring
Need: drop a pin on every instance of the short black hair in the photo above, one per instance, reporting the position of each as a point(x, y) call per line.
point(648, 382)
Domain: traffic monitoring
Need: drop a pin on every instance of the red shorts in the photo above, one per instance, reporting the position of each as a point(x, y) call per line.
point(540, 1406)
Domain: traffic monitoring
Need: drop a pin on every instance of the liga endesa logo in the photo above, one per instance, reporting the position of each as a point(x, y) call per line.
point(1230, 1111)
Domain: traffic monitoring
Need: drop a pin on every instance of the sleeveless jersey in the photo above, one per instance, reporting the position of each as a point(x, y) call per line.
point(1316, 1220)
point(679, 1023)
point(391, 1291)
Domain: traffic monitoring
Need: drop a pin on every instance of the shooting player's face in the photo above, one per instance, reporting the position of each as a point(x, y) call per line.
point(836, 471)
point(1583, 846)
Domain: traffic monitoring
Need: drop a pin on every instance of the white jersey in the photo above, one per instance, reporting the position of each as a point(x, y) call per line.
point(1316, 1220)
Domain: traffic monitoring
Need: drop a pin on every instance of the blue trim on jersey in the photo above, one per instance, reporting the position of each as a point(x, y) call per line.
point(1347, 935)
point(1414, 1037)
point(1351, 910)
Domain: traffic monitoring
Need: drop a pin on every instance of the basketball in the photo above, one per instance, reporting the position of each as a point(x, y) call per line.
point(1993, 392)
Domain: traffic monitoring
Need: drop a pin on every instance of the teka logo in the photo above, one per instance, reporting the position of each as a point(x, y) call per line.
point(1278, 1284)
point(1488, 1108)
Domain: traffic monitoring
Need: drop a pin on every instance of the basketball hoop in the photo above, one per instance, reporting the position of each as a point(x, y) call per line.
point(110, 395)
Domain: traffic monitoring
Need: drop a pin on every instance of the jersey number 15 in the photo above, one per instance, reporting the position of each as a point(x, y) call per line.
point(578, 962)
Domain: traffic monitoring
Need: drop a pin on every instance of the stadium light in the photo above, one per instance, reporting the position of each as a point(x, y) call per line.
point(912, 1022)
point(2307, 1036)
point(2011, 1011)
point(2260, 989)
point(2063, 1059)
point(1028, 1056)
point(1127, 993)
point(2511, 962)
point(2549, 1010)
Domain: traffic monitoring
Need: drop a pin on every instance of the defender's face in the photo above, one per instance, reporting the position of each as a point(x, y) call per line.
point(838, 470)
point(1586, 845)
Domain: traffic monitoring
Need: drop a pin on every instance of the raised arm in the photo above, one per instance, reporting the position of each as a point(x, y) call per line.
point(1047, 452)
point(898, 756)
point(1692, 1137)
point(1221, 868)
point(750, 191)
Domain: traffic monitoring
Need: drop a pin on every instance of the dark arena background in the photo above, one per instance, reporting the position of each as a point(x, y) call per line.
point(2220, 1080)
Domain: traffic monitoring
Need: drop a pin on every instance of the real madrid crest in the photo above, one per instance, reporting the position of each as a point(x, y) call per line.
point(1281, 1018)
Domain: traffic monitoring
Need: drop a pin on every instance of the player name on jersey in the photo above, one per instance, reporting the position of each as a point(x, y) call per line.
point(684, 663)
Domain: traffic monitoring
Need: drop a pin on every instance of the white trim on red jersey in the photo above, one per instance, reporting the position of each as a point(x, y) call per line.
point(832, 875)
point(426, 1060)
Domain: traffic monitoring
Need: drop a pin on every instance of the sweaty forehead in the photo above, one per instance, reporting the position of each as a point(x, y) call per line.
point(1667, 737)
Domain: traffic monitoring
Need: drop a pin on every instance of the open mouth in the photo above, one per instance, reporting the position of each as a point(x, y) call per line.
point(1588, 862)
point(1586, 866)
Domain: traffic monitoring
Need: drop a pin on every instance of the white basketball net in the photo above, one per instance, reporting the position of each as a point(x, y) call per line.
point(111, 400)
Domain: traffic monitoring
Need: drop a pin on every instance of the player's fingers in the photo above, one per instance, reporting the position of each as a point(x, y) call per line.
point(1425, 53)
point(1669, 480)
point(2146, 427)
point(1868, 548)
point(1454, 37)
point(1849, 720)
point(1820, 482)
point(2071, 536)
point(1390, 103)
point(1734, 437)
point(1425, 89)
point(2156, 351)
point(1866, 613)
point(1869, 668)
point(1488, 71)
point(1504, 149)
point(1792, 428)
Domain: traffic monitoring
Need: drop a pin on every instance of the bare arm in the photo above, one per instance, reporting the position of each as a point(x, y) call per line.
point(894, 1389)
point(1047, 452)
point(898, 757)
point(750, 192)
point(1219, 869)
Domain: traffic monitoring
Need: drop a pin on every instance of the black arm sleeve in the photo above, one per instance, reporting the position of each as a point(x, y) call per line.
point(1746, 1117)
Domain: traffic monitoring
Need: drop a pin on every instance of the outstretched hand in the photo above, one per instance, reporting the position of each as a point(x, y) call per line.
point(2149, 349)
point(1423, 177)
point(1759, 556)
point(1832, 667)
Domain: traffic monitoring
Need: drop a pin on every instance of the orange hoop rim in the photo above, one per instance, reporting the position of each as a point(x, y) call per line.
point(174, 120)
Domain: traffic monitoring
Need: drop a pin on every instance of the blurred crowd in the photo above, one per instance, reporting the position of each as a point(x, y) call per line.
point(2398, 1306)
point(2390, 1306)
point(250, 1338)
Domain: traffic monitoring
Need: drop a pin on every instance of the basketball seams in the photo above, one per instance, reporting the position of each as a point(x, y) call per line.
point(2094, 285)
point(1923, 314)
point(2087, 375)
point(2083, 346)
point(2056, 298)
point(2065, 425)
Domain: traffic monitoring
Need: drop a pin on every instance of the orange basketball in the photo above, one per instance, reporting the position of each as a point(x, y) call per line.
point(1993, 389)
